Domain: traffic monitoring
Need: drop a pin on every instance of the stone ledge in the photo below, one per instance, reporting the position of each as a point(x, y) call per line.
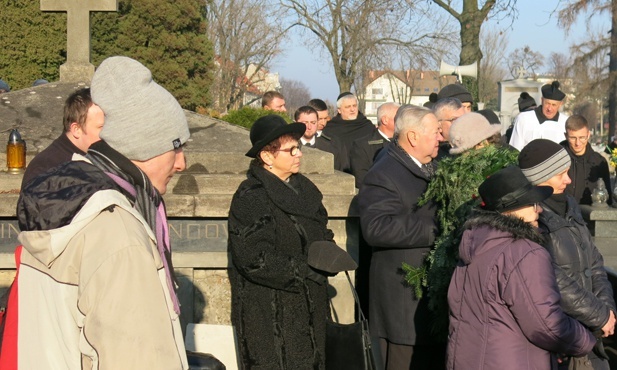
point(8, 203)
point(194, 184)
point(601, 214)
point(338, 189)
point(217, 205)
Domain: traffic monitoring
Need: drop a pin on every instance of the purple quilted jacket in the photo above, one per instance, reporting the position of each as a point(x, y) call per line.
point(504, 302)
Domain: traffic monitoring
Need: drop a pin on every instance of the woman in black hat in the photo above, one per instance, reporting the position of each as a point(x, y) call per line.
point(279, 303)
point(503, 297)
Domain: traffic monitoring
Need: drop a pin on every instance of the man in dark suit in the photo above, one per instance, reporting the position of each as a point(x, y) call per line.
point(401, 231)
point(365, 149)
point(309, 117)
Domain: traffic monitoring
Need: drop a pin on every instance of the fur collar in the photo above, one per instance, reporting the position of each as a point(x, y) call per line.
point(518, 228)
point(299, 197)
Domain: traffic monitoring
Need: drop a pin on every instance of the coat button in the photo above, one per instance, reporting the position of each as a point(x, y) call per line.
point(588, 272)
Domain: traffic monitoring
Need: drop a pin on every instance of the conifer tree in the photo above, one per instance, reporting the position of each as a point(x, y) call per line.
point(169, 37)
point(33, 43)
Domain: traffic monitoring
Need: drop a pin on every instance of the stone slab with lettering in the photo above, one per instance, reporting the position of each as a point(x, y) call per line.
point(197, 202)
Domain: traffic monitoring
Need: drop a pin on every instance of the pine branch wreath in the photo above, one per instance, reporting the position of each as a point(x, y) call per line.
point(454, 190)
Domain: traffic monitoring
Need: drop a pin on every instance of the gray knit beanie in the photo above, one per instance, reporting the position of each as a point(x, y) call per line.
point(469, 130)
point(542, 159)
point(142, 119)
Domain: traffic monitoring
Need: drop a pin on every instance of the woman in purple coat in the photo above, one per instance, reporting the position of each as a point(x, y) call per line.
point(503, 298)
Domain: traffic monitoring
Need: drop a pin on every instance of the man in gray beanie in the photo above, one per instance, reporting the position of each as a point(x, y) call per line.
point(586, 293)
point(96, 259)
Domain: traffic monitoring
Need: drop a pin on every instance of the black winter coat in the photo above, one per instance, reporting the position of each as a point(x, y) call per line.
point(280, 315)
point(399, 231)
point(59, 151)
point(363, 153)
point(585, 172)
point(586, 293)
point(345, 132)
point(330, 145)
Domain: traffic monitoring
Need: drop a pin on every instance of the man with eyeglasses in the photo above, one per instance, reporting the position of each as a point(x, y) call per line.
point(447, 110)
point(588, 166)
point(543, 122)
point(586, 293)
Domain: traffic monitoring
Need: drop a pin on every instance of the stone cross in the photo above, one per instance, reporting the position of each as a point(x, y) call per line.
point(78, 66)
point(522, 72)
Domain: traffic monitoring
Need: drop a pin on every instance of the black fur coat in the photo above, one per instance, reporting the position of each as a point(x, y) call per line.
point(280, 315)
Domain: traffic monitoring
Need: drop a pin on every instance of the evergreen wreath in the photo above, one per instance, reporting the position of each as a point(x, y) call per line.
point(454, 189)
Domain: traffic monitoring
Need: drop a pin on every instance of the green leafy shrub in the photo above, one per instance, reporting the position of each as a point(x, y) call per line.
point(246, 116)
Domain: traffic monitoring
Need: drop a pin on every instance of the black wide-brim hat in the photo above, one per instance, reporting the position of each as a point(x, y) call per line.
point(269, 128)
point(509, 189)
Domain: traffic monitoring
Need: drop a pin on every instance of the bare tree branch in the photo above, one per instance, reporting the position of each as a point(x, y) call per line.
point(354, 33)
point(244, 44)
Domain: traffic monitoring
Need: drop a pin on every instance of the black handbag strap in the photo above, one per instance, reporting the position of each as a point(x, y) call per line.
point(355, 297)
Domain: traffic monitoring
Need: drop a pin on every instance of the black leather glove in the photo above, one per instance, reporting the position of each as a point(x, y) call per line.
point(314, 275)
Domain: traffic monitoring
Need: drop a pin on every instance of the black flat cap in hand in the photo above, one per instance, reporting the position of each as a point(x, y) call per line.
point(329, 257)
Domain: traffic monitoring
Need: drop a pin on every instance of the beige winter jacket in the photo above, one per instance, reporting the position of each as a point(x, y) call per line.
point(93, 294)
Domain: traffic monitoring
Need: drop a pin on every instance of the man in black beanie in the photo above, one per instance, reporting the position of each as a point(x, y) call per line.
point(543, 122)
point(526, 102)
point(457, 91)
point(586, 293)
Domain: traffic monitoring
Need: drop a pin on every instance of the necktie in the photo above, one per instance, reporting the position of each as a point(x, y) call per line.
point(427, 170)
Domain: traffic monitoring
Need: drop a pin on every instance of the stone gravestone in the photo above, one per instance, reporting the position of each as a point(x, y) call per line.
point(197, 202)
point(78, 66)
point(509, 92)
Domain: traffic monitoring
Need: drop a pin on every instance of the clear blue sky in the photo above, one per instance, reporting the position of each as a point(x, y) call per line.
point(534, 27)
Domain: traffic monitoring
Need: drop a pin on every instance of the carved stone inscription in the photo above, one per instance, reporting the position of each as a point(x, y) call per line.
point(194, 235)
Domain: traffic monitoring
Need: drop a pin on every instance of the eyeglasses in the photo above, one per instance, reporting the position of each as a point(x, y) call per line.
point(293, 151)
point(582, 139)
point(535, 207)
